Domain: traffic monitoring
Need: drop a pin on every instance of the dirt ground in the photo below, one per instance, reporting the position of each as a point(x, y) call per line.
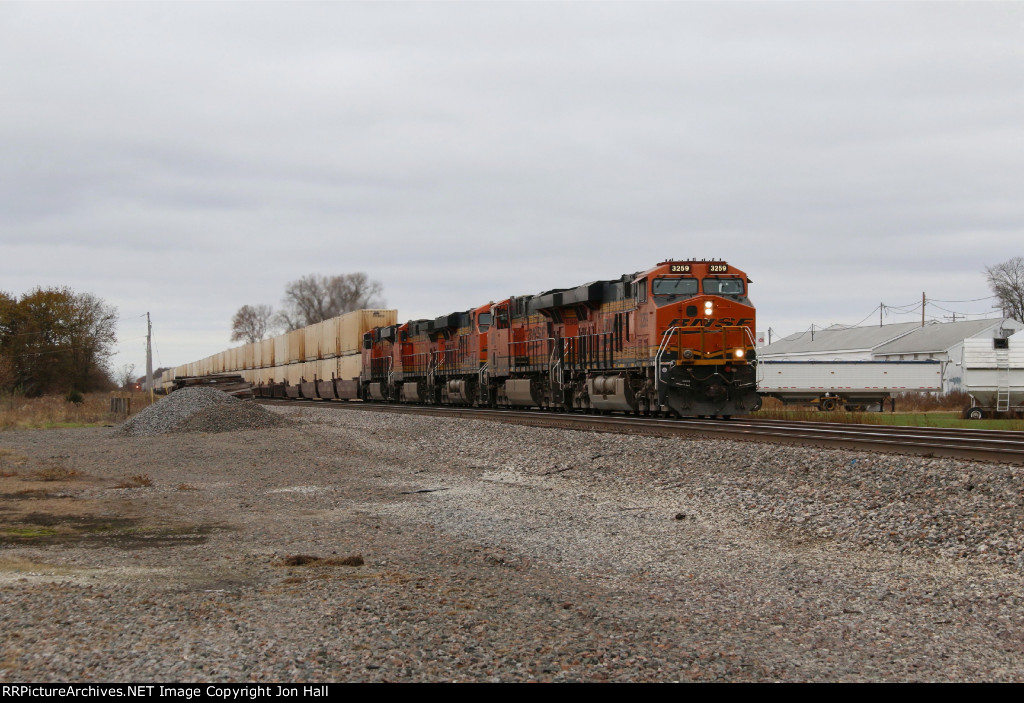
point(351, 548)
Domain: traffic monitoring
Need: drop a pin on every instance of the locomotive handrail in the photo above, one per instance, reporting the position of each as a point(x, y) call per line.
point(750, 337)
point(529, 345)
point(411, 365)
point(481, 387)
point(665, 338)
point(574, 345)
point(454, 360)
point(556, 366)
point(431, 368)
point(753, 345)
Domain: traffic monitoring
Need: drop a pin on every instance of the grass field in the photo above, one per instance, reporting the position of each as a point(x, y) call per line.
point(938, 418)
point(19, 412)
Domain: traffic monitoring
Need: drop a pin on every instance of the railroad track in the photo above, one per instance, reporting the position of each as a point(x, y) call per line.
point(979, 445)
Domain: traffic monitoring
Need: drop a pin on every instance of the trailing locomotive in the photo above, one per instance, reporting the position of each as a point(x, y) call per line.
point(676, 338)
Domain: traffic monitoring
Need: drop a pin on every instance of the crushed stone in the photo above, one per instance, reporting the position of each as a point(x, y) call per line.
point(200, 410)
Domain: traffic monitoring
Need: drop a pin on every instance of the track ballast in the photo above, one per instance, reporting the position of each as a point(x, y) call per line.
point(978, 445)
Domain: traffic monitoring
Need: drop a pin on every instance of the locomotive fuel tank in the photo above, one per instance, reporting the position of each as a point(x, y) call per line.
point(523, 392)
point(612, 393)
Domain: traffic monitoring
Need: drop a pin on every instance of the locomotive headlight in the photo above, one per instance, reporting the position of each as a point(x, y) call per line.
point(739, 353)
point(708, 307)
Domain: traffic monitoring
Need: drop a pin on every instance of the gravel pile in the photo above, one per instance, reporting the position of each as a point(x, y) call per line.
point(357, 546)
point(199, 410)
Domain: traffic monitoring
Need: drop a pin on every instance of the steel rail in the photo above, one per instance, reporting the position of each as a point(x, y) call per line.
point(978, 445)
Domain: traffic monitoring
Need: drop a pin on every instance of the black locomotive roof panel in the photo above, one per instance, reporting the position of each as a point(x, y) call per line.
point(454, 320)
point(595, 292)
point(418, 327)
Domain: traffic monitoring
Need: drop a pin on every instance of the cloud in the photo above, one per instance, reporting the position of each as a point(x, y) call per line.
point(191, 158)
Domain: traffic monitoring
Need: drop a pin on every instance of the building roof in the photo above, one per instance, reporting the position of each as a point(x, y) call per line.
point(836, 338)
point(899, 338)
point(940, 337)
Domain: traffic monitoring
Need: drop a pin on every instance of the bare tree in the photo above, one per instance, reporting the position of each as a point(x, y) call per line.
point(315, 298)
point(125, 376)
point(251, 323)
point(1007, 283)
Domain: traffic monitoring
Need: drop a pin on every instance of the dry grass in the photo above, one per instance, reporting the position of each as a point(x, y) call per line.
point(56, 473)
point(139, 481)
point(18, 412)
point(10, 463)
point(912, 409)
point(310, 560)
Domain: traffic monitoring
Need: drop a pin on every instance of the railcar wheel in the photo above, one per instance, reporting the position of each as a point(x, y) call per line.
point(974, 413)
point(828, 405)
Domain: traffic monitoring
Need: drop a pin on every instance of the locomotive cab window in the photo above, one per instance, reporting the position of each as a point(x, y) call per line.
point(501, 316)
point(483, 321)
point(723, 286)
point(674, 286)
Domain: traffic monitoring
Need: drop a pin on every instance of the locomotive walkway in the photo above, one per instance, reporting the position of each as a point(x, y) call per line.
point(979, 445)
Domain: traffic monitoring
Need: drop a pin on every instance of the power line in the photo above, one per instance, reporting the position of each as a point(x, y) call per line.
point(975, 300)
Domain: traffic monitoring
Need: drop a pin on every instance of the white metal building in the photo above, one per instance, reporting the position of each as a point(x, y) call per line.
point(904, 341)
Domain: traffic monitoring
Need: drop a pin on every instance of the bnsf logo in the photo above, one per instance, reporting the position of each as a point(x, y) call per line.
point(711, 322)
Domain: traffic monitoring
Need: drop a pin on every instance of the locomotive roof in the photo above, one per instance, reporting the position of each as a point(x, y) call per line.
point(593, 292)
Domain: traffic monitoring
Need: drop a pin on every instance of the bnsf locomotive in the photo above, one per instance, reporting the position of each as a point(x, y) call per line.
point(677, 338)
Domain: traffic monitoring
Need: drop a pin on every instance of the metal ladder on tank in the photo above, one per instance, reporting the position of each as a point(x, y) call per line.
point(1002, 380)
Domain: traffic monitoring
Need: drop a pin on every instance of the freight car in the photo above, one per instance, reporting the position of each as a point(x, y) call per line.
point(853, 385)
point(677, 338)
point(319, 361)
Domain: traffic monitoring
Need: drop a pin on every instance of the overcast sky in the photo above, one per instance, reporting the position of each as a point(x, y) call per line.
point(188, 159)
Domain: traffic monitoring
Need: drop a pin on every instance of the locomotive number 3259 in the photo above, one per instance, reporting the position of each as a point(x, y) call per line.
point(680, 268)
point(718, 268)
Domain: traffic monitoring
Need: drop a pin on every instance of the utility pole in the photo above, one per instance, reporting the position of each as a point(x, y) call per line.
point(881, 309)
point(149, 357)
point(922, 308)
